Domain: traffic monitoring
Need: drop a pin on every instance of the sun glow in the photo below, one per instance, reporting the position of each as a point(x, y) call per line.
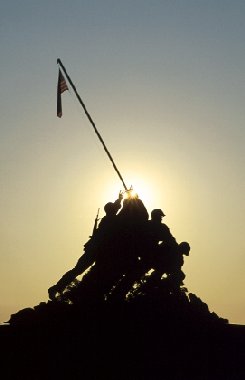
point(140, 189)
point(130, 194)
point(147, 191)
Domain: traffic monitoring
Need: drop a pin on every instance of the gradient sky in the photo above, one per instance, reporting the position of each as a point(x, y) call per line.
point(165, 84)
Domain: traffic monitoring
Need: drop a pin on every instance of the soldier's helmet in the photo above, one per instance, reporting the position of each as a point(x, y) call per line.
point(184, 248)
point(156, 213)
point(109, 208)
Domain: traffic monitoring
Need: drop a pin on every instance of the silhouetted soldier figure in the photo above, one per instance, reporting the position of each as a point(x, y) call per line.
point(168, 255)
point(126, 245)
point(111, 209)
point(176, 275)
point(157, 251)
point(133, 210)
point(132, 226)
point(158, 231)
point(118, 250)
point(91, 248)
point(158, 234)
point(132, 243)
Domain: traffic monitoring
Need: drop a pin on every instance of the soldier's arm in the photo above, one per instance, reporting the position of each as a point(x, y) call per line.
point(167, 236)
point(117, 202)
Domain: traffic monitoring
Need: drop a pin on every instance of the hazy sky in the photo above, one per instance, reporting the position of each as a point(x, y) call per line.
point(165, 84)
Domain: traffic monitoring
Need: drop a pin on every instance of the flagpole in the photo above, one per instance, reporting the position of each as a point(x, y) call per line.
point(92, 122)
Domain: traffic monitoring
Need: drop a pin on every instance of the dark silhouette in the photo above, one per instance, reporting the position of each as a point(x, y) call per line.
point(129, 317)
point(159, 231)
point(91, 248)
point(167, 258)
point(151, 255)
point(119, 245)
point(133, 210)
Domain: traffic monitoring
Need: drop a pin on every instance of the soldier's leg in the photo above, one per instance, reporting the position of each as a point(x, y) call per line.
point(127, 280)
point(84, 262)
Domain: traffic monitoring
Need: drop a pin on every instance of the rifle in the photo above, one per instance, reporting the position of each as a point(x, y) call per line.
point(96, 222)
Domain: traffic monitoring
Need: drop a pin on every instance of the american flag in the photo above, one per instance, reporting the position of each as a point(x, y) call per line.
point(61, 87)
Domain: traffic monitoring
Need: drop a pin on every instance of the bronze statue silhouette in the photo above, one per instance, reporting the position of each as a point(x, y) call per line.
point(159, 252)
point(119, 245)
point(130, 304)
point(91, 248)
point(121, 252)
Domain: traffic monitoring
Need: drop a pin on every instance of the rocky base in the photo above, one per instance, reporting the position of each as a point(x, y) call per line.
point(150, 337)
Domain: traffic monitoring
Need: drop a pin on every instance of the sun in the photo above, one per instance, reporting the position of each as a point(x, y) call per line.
point(140, 189)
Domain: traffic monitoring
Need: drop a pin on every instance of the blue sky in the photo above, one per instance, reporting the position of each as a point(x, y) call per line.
point(164, 83)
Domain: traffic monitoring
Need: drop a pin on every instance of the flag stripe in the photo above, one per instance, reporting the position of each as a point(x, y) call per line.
point(61, 87)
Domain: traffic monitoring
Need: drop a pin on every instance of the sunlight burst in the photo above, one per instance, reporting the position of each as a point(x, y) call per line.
point(140, 189)
point(137, 187)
